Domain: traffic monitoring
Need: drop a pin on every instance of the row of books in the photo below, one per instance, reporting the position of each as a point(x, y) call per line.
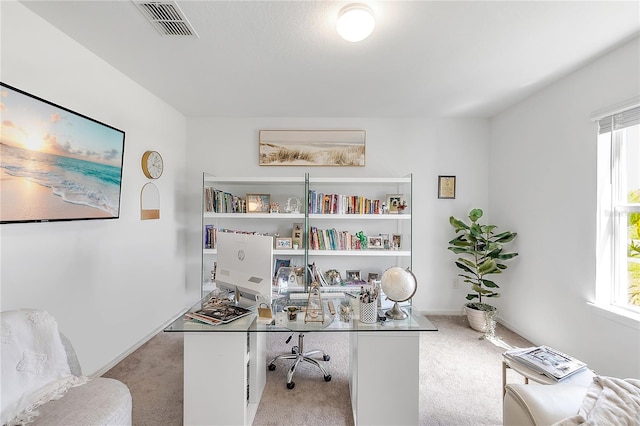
point(547, 361)
point(320, 203)
point(331, 239)
point(319, 239)
point(217, 201)
point(211, 235)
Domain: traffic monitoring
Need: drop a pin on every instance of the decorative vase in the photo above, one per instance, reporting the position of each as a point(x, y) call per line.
point(479, 320)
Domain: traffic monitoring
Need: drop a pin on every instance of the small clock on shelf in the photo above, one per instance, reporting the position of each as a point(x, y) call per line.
point(152, 164)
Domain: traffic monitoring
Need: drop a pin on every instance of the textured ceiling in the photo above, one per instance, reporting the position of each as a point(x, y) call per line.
point(284, 58)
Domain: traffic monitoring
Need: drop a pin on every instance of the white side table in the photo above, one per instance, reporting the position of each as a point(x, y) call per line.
point(583, 378)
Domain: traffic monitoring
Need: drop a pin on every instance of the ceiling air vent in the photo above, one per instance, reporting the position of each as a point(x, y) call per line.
point(167, 18)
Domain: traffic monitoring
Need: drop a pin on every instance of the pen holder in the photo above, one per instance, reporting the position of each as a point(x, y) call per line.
point(369, 312)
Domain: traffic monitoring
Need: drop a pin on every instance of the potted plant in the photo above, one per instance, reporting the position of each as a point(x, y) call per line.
point(481, 253)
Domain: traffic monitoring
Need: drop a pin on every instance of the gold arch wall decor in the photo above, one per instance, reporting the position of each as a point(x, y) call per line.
point(149, 202)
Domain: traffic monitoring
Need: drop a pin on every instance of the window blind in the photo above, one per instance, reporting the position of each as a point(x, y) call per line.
point(620, 120)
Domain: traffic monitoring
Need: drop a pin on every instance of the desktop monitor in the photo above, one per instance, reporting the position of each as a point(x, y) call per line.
point(245, 263)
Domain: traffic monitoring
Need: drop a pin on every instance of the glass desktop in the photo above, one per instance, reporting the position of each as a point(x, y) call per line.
point(331, 323)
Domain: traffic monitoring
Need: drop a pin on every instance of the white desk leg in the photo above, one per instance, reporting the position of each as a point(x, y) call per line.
point(215, 378)
point(385, 378)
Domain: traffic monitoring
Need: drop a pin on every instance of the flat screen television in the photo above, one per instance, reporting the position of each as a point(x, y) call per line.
point(245, 263)
point(56, 164)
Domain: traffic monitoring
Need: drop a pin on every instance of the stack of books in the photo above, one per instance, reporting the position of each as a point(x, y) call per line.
point(545, 360)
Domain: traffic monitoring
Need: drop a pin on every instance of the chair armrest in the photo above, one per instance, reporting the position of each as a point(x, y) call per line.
point(541, 404)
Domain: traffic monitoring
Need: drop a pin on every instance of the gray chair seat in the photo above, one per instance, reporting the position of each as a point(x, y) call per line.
point(101, 401)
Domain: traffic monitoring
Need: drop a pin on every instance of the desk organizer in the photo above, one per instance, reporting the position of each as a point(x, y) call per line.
point(369, 312)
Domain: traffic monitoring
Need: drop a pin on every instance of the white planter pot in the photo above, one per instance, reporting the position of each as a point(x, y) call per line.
point(477, 319)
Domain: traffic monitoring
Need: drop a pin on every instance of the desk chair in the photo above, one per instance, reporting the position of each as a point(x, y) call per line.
point(298, 353)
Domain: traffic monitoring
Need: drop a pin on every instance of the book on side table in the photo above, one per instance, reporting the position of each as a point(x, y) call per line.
point(545, 360)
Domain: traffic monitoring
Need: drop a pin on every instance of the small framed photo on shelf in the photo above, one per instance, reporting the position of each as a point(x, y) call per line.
point(447, 187)
point(374, 242)
point(284, 243)
point(353, 276)
point(258, 203)
point(373, 276)
point(296, 234)
point(386, 244)
point(396, 239)
point(281, 263)
point(395, 203)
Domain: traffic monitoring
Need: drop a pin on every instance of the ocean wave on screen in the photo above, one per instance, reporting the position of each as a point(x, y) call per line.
point(92, 196)
point(75, 181)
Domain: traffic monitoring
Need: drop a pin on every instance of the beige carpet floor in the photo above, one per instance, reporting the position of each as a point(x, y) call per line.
point(460, 379)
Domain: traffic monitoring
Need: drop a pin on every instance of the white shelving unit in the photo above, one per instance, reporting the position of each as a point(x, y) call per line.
point(284, 188)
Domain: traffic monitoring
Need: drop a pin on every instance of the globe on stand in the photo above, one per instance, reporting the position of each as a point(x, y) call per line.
point(399, 285)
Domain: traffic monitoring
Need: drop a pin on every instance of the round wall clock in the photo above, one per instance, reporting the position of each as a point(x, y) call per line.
point(152, 165)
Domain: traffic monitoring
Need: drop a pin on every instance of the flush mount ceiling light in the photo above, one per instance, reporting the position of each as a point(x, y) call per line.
point(355, 22)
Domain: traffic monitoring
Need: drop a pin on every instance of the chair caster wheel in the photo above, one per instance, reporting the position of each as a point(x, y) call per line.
point(326, 357)
point(291, 385)
point(272, 367)
point(294, 350)
point(327, 378)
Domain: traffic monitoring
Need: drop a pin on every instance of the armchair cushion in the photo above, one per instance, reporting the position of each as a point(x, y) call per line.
point(102, 401)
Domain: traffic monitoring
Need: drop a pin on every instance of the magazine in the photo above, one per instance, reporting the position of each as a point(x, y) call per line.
point(202, 318)
point(545, 360)
point(218, 314)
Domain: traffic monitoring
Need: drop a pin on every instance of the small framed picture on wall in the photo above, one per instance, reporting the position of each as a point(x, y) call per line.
point(447, 187)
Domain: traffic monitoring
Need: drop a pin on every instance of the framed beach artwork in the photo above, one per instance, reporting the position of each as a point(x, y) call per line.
point(56, 164)
point(312, 148)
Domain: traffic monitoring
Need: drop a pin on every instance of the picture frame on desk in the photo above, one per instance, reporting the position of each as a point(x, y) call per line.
point(283, 243)
point(258, 203)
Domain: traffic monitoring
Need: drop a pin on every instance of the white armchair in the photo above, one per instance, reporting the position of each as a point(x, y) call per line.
point(535, 404)
point(42, 383)
point(605, 401)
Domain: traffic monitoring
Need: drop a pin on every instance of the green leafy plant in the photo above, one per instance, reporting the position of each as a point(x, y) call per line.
point(481, 253)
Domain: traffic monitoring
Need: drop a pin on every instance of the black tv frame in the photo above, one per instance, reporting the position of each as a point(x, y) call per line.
point(82, 165)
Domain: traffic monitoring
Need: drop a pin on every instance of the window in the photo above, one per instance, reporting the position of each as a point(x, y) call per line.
point(618, 251)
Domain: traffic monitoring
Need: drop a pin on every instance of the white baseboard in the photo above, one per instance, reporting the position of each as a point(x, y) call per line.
point(133, 348)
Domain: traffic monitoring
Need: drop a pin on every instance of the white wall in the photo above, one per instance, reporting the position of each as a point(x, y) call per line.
point(543, 185)
point(395, 147)
point(108, 282)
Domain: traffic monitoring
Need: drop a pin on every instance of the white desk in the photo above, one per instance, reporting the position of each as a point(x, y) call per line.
point(225, 368)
